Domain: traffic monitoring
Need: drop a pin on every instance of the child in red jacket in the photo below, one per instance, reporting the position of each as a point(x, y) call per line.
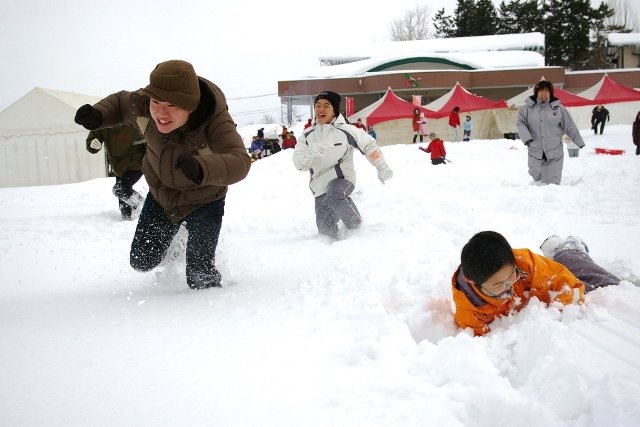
point(436, 148)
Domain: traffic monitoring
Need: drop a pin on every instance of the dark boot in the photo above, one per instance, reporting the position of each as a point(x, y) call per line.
point(125, 210)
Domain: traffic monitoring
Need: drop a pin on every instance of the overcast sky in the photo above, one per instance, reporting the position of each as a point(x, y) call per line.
point(100, 47)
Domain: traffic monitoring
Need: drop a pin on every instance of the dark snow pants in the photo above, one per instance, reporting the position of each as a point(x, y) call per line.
point(336, 205)
point(155, 232)
point(597, 122)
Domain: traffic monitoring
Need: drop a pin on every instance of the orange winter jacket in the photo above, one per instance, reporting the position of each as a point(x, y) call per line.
point(543, 278)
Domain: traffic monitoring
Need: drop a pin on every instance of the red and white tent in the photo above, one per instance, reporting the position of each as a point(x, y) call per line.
point(607, 91)
point(389, 107)
point(623, 102)
point(460, 97)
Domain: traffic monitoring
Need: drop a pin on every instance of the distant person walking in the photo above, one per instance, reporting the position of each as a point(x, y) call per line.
point(466, 129)
point(415, 125)
point(541, 122)
point(454, 123)
point(599, 116)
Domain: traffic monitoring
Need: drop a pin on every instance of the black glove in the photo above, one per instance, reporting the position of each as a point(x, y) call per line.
point(190, 167)
point(89, 117)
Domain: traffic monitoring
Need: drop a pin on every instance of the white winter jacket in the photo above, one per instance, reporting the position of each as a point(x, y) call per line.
point(338, 140)
point(545, 123)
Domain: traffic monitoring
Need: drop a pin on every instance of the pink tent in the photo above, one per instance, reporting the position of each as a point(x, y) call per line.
point(389, 107)
point(606, 91)
point(459, 96)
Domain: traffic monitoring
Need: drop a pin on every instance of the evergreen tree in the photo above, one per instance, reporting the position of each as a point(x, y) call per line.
point(519, 16)
point(464, 18)
point(567, 27)
point(444, 24)
point(486, 18)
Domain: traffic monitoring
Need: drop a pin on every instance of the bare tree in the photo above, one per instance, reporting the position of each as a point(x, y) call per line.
point(626, 15)
point(413, 26)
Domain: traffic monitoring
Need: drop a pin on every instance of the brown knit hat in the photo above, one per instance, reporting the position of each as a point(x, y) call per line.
point(176, 82)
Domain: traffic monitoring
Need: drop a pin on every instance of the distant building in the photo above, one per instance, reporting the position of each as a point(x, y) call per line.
point(623, 49)
point(495, 67)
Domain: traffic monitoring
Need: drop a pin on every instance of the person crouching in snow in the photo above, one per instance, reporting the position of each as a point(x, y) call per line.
point(436, 148)
point(494, 280)
point(326, 151)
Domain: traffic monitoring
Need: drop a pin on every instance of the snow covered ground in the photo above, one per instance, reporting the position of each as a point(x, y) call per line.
point(308, 333)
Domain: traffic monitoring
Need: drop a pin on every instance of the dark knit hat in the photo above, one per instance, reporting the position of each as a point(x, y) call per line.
point(332, 97)
point(176, 82)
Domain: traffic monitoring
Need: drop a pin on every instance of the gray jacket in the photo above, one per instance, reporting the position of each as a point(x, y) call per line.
point(339, 140)
point(544, 123)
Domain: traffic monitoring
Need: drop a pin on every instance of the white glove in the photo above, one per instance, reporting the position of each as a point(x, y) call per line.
point(384, 173)
point(95, 144)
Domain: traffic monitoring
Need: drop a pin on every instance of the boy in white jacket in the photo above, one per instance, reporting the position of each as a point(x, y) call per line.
point(326, 151)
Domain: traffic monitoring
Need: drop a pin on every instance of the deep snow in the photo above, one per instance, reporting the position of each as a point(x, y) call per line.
point(308, 333)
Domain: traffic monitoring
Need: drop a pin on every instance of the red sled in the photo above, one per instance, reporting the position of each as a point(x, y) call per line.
point(608, 151)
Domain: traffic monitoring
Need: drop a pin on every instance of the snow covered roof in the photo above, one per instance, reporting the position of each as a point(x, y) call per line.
point(504, 42)
point(466, 53)
point(623, 39)
point(431, 61)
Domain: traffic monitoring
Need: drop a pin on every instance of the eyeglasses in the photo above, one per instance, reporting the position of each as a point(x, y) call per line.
point(499, 289)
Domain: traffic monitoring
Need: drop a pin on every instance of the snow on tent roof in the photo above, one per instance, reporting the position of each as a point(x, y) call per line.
point(459, 96)
point(608, 91)
point(389, 107)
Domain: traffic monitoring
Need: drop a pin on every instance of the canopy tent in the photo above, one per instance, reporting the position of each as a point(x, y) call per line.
point(607, 91)
point(481, 110)
point(567, 99)
point(460, 97)
point(579, 108)
point(389, 107)
point(40, 144)
point(623, 102)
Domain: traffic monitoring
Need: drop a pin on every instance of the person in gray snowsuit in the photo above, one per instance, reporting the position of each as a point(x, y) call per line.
point(326, 151)
point(541, 122)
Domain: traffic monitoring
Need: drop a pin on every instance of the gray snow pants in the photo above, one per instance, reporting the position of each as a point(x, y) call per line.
point(584, 268)
point(546, 171)
point(336, 205)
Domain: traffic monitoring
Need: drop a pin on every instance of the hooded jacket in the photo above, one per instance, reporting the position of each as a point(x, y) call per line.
point(209, 134)
point(543, 278)
point(545, 123)
point(339, 139)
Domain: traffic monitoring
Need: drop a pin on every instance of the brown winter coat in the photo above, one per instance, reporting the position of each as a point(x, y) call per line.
point(124, 145)
point(210, 134)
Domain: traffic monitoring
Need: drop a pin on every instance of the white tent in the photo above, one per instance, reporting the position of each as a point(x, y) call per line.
point(40, 144)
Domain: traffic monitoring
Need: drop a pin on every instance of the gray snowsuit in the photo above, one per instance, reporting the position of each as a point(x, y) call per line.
point(332, 175)
point(545, 123)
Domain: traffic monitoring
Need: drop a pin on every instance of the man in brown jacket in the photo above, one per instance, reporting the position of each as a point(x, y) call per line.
point(125, 148)
point(193, 153)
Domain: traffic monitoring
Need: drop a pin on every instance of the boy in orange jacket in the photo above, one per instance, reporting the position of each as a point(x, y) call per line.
point(495, 280)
